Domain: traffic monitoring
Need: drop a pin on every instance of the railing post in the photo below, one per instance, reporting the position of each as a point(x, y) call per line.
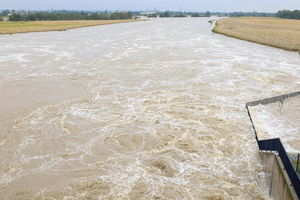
point(298, 157)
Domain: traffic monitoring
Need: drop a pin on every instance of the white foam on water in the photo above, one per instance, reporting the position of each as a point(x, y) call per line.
point(278, 120)
point(163, 115)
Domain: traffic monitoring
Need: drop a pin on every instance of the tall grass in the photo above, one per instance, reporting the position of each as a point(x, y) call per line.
point(281, 33)
point(38, 26)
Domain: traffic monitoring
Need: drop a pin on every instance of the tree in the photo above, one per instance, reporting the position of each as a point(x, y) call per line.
point(296, 14)
point(179, 15)
point(69, 15)
point(289, 14)
point(195, 15)
point(207, 14)
point(152, 16)
point(4, 12)
point(165, 14)
point(15, 17)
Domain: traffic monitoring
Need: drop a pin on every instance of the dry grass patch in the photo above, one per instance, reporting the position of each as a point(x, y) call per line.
point(275, 32)
point(39, 26)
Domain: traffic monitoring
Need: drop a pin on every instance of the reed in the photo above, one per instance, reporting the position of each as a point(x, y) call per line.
point(275, 32)
point(41, 26)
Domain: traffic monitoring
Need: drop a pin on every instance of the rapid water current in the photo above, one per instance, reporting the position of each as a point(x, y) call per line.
point(143, 110)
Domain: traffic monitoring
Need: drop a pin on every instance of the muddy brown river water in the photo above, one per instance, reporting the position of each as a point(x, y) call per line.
point(145, 110)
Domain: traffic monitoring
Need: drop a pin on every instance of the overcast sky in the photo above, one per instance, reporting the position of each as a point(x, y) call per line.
point(183, 5)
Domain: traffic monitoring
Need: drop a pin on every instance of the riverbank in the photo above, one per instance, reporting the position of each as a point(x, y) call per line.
point(137, 111)
point(42, 26)
point(275, 32)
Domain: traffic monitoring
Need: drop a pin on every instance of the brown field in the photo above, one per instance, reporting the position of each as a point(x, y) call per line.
point(40, 26)
point(275, 32)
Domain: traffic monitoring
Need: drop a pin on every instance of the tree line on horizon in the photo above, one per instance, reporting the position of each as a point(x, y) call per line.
point(179, 14)
point(288, 14)
point(250, 14)
point(66, 15)
point(88, 15)
point(13, 15)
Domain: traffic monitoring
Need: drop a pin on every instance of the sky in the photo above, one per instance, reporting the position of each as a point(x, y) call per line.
point(136, 5)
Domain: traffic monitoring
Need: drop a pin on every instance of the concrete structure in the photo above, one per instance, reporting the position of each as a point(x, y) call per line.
point(276, 178)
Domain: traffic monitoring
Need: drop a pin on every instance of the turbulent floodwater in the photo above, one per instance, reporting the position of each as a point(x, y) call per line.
point(146, 110)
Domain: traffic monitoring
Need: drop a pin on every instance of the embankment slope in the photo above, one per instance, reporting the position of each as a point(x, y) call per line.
point(275, 32)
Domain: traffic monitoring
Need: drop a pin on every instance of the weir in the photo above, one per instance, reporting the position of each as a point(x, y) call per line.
point(284, 181)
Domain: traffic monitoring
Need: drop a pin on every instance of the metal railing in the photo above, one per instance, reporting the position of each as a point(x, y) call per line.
point(276, 144)
point(273, 99)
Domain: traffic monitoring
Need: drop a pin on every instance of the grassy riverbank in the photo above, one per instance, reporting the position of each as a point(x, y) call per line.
point(40, 26)
point(275, 32)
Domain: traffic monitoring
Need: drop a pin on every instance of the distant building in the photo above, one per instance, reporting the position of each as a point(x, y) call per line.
point(148, 13)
